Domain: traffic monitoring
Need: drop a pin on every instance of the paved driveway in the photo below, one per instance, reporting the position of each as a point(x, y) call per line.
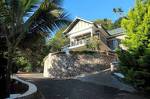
point(76, 89)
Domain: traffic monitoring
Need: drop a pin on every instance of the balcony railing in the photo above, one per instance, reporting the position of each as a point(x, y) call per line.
point(79, 42)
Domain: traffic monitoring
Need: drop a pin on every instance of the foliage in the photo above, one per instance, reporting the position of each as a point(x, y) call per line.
point(136, 70)
point(106, 23)
point(23, 63)
point(118, 11)
point(45, 19)
point(28, 68)
point(126, 58)
point(144, 60)
point(31, 59)
point(35, 53)
point(22, 34)
point(58, 41)
point(130, 75)
point(136, 58)
point(117, 23)
point(137, 26)
point(94, 43)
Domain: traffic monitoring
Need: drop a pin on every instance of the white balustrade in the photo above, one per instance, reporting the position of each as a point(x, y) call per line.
point(80, 42)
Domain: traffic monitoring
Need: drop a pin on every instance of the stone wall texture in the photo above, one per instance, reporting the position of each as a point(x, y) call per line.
point(61, 65)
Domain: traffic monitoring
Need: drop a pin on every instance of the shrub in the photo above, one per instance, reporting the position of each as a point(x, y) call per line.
point(126, 58)
point(28, 68)
point(136, 69)
point(94, 43)
point(137, 40)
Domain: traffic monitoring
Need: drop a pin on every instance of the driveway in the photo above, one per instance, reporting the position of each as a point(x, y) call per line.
point(76, 89)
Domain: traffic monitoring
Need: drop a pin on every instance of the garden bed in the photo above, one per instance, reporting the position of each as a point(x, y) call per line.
point(21, 89)
point(17, 87)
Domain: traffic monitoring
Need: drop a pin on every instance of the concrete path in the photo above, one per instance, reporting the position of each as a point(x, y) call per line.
point(76, 88)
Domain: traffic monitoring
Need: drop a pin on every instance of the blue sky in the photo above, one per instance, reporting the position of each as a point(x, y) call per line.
point(94, 9)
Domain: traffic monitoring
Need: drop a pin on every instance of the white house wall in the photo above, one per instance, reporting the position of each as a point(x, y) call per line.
point(121, 37)
point(81, 32)
point(81, 25)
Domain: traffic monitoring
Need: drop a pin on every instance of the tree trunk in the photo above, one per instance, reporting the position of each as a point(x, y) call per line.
point(3, 64)
point(9, 69)
point(3, 69)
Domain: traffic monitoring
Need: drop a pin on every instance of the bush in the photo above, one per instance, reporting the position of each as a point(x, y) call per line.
point(130, 75)
point(136, 69)
point(28, 68)
point(94, 43)
point(137, 40)
point(126, 58)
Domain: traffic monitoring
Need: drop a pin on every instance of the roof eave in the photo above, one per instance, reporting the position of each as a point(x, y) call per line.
point(112, 36)
point(74, 21)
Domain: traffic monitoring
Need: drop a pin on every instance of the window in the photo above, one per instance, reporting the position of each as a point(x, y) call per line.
point(115, 43)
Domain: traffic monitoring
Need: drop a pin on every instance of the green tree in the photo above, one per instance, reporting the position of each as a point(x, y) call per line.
point(117, 23)
point(94, 43)
point(58, 41)
point(106, 23)
point(22, 63)
point(35, 54)
point(118, 11)
point(137, 26)
point(48, 16)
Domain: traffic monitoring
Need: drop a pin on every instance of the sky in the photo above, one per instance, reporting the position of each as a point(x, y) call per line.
point(96, 9)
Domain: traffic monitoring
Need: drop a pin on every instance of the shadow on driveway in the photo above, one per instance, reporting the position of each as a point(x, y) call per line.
point(76, 89)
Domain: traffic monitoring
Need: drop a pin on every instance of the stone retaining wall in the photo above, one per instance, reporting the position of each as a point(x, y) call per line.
point(60, 65)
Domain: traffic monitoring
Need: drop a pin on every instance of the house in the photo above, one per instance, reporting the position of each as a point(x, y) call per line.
point(80, 31)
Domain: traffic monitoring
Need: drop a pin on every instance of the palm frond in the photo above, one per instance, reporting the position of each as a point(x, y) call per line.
point(49, 17)
point(27, 4)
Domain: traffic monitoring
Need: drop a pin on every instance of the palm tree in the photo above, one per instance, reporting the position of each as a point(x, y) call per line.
point(118, 11)
point(114, 10)
point(47, 17)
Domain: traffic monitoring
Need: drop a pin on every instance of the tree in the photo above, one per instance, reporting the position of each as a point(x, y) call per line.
point(3, 63)
point(106, 23)
point(117, 23)
point(33, 55)
point(94, 43)
point(137, 26)
point(18, 33)
point(58, 41)
point(118, 11)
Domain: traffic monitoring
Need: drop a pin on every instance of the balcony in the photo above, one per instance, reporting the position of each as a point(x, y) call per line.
point(78, 43)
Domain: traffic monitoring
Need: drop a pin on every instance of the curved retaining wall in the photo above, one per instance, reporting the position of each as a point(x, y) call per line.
point(61, 65)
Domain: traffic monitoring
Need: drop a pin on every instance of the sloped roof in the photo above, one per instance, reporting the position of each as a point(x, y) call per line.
point(76, 20)
point(117, 31)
